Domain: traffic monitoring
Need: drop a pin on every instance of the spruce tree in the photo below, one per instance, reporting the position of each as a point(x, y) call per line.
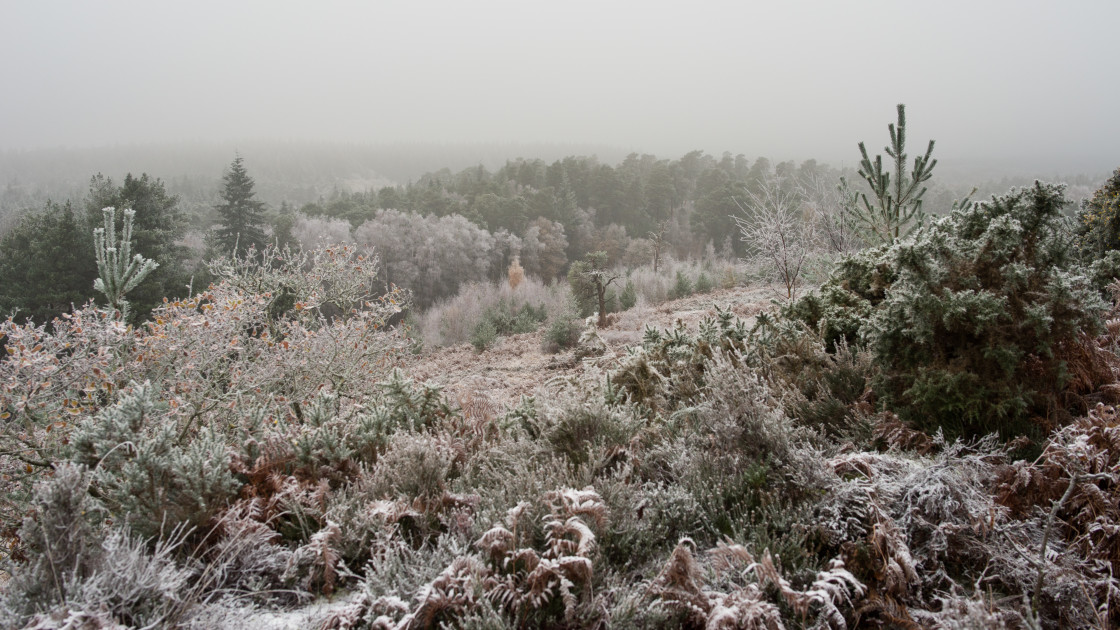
point(241, 217)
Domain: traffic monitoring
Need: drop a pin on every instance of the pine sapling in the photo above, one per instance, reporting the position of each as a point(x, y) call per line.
point(118, 274)
point(897, 208)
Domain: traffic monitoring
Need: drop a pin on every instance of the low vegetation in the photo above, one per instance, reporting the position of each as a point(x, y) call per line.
point(928, 439)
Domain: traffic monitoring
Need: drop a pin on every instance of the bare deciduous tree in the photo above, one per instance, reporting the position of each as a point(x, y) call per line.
point(778, 235)
point(822, 199)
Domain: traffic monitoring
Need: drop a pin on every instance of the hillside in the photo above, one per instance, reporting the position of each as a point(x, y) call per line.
point(517, 365)
point(927, 439)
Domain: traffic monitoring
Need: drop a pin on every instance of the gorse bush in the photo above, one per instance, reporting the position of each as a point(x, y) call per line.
point(504, 319)
point(969, 322)
point(144, 474)
point(668, 370)
point(1099, 219)
point(86, 575)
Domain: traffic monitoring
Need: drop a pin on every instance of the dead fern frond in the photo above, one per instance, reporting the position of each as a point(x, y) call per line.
point(678, 585)
point(586, 504)
point(832, 588)
point(319, 560)
point(728, 556)
point(569, 538)
point(745, 609)
point(452, 593)
point(497, 543)
point(891, 431)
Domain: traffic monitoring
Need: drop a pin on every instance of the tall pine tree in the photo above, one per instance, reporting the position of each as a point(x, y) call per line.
point(241, 217)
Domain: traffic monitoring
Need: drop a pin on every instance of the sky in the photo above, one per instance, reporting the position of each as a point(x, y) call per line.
point(989, 80)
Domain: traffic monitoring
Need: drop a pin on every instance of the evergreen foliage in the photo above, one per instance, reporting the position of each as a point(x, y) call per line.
point(240, 216)
point(969, 320)
point(1099, 218)
point(629, 296)
point(143, 472)
point(158, 225)
point(682, 287)
point(506, 319)
point(590, 280)
point(47, 265)
point(704, 283)
point(485, 332)
point(118, 273)
point(897, 208)
point(563, 333)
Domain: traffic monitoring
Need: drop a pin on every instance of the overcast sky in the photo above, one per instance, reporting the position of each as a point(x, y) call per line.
point(790, 80)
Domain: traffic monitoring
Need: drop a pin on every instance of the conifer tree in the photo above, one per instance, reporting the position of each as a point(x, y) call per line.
point(897, 208)
point(118, 272)
point(590, 280)
point(158, 225)
point(241, 216)
point(45, 264)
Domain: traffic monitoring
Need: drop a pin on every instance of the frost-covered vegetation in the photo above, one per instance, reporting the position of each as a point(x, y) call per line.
point(926, 440)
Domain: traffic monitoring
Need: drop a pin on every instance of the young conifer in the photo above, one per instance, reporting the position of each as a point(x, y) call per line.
point(119, 275)
point(897, 208)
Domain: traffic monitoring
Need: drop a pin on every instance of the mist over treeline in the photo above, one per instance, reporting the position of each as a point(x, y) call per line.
point(438, 216)
point(301, 172)
point(296, 172)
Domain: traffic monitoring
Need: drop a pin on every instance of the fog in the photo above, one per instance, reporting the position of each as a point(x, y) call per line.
point(1017, 82)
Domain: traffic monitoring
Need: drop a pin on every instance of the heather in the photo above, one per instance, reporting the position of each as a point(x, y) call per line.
point(925, 439)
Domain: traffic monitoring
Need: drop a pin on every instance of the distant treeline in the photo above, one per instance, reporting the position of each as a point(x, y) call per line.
point(441, 229)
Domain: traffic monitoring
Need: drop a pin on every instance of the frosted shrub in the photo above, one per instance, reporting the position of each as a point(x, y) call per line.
point(967, 320)
point(455, 320)
point(1099, 218)
point(668, 370)
point(79, 571)
point(59, 537)
point(143, 475)
point(209, 359)
point(915, 528)
point(413, 467)
point(779, 239)
point(312, 232)
point(984, 353)
point(673, 279)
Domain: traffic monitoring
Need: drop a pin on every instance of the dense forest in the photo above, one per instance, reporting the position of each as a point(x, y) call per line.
point(210, 416)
